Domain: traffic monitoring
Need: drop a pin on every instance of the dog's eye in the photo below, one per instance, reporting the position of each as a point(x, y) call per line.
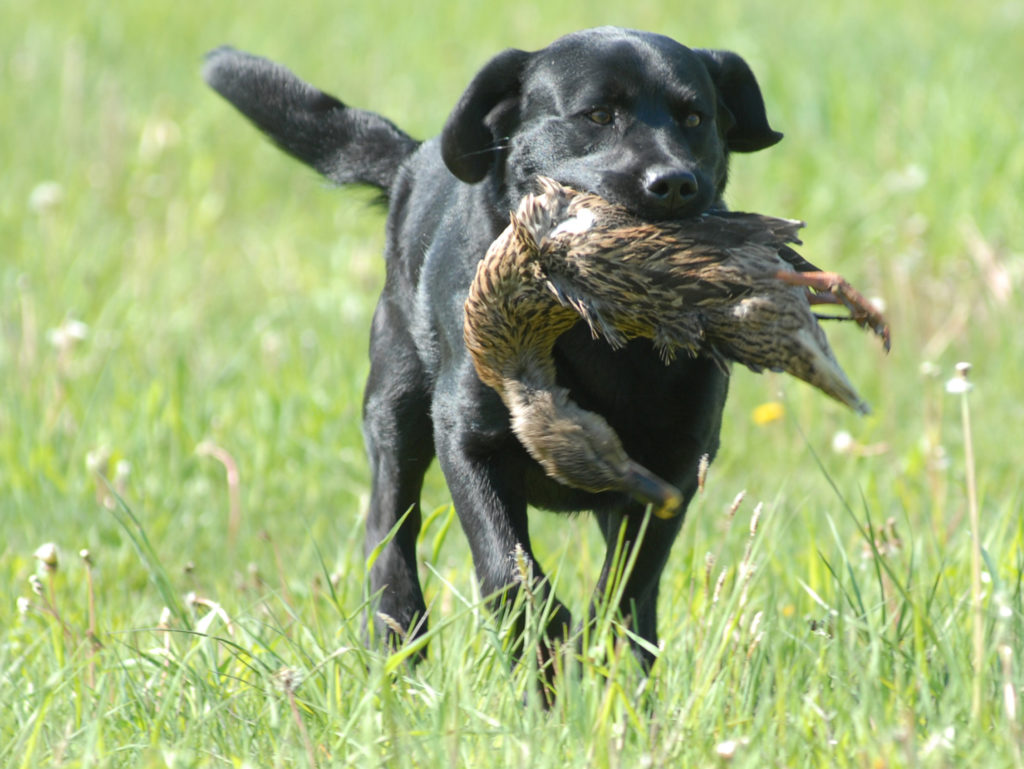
point(692, 120)
point(600, 116)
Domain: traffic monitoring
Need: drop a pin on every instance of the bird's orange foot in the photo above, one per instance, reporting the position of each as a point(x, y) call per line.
point(833, 288)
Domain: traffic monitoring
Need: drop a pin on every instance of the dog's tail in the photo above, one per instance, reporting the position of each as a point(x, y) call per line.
point(346, 145)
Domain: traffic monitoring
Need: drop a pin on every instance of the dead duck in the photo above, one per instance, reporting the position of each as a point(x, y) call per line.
point(724, 284)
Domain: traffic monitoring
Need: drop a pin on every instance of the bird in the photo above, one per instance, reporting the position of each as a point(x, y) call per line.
point(723, 284)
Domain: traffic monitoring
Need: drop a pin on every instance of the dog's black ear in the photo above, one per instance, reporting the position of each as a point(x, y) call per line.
point(468, 143)
point(345, 144)
point(739, 92)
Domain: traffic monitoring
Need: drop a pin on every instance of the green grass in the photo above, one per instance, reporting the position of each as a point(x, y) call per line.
point(226, 293)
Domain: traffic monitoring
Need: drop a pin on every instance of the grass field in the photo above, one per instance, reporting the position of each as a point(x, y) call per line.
point(178, 299)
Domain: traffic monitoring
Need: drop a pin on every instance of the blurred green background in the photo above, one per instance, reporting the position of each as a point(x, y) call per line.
point(167, 278)
point(226, 291)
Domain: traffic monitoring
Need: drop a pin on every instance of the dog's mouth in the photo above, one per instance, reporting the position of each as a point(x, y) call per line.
point(628, 191)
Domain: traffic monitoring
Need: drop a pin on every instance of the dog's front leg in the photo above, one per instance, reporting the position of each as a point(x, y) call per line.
point(399, 442)
point(639, 593)
point(484, 473)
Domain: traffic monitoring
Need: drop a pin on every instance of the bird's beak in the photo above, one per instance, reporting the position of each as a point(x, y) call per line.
point(644, 485)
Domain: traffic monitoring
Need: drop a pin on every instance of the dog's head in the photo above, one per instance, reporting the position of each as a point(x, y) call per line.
point(634, 117)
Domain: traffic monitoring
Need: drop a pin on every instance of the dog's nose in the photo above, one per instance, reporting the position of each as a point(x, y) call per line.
point(670, 189)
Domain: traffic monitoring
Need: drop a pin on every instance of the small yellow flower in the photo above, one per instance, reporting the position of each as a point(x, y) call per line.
point(769, 412)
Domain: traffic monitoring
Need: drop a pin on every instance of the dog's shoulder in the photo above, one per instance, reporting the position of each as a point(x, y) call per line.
point(433, 214)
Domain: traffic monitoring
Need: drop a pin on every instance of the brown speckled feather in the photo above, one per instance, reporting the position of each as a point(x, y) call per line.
point(722, 284)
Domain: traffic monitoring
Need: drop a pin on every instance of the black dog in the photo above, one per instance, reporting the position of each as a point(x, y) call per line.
point(635, 117)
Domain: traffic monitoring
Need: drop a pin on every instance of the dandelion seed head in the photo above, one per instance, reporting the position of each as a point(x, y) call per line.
point(958, 386)
point(67, 334)
point(45, 197)
point(726, 749)
point(48, 555)
point(76, 329)
point(96, 460)
point(842, 442)
point(939, 741)
point(288, 679)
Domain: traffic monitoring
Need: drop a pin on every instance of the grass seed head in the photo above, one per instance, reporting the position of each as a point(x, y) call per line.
point(719, 584)
point(524, 566)
point(392, 624)
point(755, 519)
point(736, 502)
point(702, 471)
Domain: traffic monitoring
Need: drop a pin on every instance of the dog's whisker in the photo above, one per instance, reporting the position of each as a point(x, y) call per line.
point(487, 150)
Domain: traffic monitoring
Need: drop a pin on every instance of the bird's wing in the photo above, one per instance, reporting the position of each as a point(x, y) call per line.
point(600, 311)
